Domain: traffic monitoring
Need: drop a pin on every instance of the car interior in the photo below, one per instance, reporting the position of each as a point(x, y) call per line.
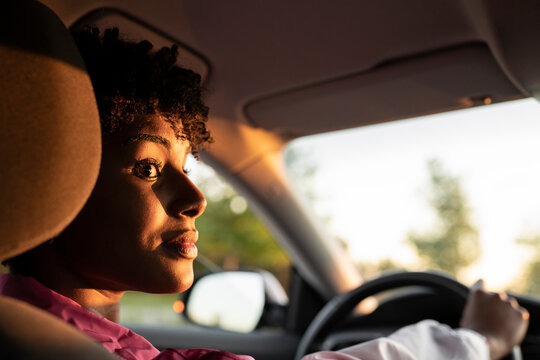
point(274, 72)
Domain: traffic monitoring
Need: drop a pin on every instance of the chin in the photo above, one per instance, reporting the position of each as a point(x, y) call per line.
point(166, 277)
point(184, 277)
point(172, 282)
point(169, 287)
point(184, 283)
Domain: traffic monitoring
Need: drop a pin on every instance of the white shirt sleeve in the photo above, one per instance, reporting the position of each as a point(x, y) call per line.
point(426, 340)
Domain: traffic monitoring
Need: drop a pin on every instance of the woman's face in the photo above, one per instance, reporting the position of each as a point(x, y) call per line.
point(137, 231)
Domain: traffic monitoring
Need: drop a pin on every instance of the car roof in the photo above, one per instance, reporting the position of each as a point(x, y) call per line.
point(273, 62)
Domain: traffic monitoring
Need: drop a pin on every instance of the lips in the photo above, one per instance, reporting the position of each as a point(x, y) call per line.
point(183, 245)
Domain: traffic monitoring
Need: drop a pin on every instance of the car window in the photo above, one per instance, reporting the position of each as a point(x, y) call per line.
point(458, 192)
point(231, 237)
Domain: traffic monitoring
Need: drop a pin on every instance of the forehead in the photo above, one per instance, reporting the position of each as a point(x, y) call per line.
point(151, 124)
point(152, 128)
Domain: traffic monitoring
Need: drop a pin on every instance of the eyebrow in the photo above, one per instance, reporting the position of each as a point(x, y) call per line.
point(147, 137)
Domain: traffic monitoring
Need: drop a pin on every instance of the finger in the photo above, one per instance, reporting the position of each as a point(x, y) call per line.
point(513, 302)
point(524, 313)
point(502, 295)
point(479, 285)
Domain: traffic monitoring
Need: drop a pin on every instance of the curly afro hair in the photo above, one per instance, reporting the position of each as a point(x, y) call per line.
point(130, 79)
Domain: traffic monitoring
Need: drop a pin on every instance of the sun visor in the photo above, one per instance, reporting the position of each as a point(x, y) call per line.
point(512, 30)
point(439, 81)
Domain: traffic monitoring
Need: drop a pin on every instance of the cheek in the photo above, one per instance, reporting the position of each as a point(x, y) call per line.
point(131, 208)
point(119, 226)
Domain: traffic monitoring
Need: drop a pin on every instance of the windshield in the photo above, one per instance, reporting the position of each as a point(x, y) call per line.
point(458, 191)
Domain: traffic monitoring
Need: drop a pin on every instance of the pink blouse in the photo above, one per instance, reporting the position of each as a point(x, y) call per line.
point(115, 338)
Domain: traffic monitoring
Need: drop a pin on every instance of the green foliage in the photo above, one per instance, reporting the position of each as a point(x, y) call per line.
point(531, 277)
point(237, 239)
point(453, 243)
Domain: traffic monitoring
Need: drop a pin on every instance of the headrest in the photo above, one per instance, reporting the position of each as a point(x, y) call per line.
point(49, 127)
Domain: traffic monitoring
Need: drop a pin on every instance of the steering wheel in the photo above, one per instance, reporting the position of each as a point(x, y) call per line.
point(342, 305)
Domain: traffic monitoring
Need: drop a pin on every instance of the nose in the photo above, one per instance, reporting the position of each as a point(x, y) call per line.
point(188, 200)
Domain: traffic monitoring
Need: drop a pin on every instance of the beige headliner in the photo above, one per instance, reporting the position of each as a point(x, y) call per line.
point(265, 48)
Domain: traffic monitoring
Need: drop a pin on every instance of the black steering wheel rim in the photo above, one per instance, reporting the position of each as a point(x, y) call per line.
point(343, 304)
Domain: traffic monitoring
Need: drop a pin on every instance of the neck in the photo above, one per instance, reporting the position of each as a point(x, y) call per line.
point(110, 311)
point(52, 271)
point(104, 303)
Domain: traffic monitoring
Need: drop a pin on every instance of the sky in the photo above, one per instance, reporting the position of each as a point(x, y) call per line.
point(372, 182)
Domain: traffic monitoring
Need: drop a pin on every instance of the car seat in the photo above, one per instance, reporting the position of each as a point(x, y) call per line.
point(51, 148)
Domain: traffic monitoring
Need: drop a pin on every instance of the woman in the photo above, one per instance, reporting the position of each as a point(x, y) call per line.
point(137, 230)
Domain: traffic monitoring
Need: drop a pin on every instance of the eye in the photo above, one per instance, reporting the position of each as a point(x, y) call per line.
point(148, 169)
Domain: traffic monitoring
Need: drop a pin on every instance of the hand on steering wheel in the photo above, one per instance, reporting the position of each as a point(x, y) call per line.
point(497, 317)
point(342, 305)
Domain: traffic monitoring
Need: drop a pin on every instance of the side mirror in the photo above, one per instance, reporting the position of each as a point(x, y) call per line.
point(236, 300)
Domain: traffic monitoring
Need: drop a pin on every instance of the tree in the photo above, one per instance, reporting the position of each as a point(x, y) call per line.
point(531, 276)
point(453, 242)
